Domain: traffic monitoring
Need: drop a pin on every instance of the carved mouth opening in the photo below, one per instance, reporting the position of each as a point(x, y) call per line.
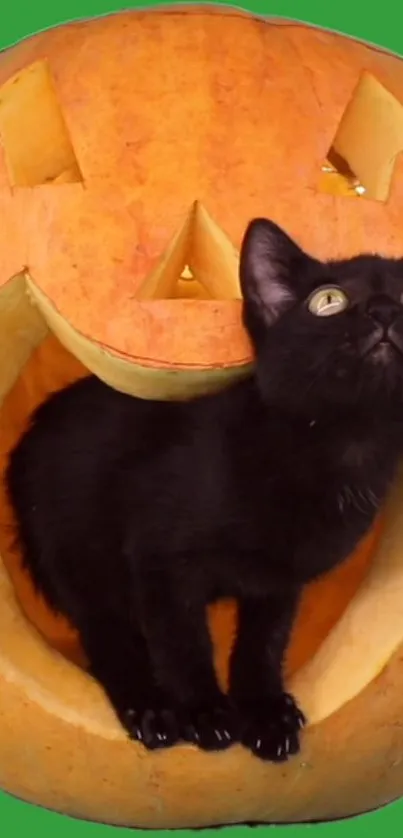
point(320, 657)
point(51, 367)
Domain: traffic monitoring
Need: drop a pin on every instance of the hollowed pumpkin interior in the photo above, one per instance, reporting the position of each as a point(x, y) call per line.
point(51, 367)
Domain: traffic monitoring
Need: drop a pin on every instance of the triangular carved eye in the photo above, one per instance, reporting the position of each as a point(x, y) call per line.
point(369, 138)
point(33, 132)
point(199, 263)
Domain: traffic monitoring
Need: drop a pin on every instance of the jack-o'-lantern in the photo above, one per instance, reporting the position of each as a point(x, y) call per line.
point(134, 151)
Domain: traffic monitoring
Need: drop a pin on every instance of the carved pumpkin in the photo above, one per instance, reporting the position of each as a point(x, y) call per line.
point(135, 149)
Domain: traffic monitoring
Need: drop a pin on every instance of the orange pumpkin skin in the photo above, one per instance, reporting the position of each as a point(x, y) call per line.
point(164, 109)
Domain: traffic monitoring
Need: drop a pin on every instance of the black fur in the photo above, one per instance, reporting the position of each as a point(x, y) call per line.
point(133, 515)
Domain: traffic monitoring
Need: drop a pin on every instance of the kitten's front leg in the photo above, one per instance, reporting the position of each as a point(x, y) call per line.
point(118, 658)
point(173, 619)
point(270, 718)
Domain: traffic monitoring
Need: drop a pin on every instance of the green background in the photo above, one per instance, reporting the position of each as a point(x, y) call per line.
point(379, 24)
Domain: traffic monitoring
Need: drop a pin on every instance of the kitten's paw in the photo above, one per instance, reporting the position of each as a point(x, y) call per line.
point(154, 728)
point(210, 727)
point(270, 727)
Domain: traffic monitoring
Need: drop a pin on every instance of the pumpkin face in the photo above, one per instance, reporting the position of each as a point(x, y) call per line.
point(124, 194)
point(154, 139)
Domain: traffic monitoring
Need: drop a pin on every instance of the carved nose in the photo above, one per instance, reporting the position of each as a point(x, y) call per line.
point(383, 310)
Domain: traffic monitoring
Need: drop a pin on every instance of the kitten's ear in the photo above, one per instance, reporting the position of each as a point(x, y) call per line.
point(269, 264)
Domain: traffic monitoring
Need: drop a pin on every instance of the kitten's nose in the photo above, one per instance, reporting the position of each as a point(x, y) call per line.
point(383, 310)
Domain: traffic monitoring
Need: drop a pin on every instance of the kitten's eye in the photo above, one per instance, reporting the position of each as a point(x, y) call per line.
point(327, 301)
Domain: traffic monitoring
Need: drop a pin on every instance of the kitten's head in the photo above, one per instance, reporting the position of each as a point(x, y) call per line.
point(327, 335)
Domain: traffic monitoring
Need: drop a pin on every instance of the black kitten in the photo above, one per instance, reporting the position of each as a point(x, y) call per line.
point(133, 515)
